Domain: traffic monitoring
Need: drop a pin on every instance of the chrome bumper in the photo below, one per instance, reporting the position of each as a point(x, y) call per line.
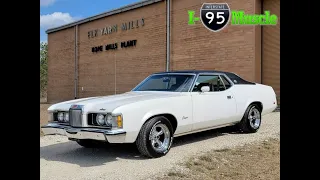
point(112, 136)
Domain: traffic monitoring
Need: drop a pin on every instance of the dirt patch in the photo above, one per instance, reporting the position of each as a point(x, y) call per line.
point(250, 162)
point(43, 115)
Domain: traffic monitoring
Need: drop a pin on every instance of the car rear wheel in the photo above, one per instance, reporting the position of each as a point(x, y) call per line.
point(155, 137)
point(251, 120)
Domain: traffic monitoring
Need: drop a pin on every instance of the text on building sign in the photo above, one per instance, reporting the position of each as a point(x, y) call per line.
point(114, 28)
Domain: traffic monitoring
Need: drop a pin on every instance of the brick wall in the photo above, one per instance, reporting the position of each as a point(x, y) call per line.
point(195, 47)
point(61, 65)
point(116, 71)
point(271, 49)
point(113, 71)
point(125, 68)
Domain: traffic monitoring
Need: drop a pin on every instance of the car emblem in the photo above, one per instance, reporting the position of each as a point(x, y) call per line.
point(102, 109)
point(74, 106)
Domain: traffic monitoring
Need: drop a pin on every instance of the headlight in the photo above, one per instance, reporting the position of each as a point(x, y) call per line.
point(60, 116)
point(66, 117)
point(106, 120)
point(109, 120)
point(100, 119)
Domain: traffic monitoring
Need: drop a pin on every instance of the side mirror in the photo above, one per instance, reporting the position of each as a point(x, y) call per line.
point(205, 89)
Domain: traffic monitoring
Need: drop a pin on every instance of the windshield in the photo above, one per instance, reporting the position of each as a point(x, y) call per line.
point(166, 82)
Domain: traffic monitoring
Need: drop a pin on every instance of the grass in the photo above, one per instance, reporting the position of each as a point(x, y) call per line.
point(43, 115)
point(250, 162)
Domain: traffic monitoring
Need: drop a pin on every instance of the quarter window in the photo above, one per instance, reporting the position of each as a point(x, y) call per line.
point(226, 82)
point(213, 81)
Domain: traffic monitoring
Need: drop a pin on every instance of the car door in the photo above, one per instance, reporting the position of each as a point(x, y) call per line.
point(213, 108)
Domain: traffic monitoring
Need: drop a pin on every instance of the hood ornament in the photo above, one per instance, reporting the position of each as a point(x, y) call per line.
point(74, 106)
point(102, 109)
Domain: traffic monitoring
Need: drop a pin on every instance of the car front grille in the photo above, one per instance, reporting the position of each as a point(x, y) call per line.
point(75, 117)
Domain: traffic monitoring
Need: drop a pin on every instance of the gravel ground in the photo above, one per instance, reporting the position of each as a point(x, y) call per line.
point(63, 159)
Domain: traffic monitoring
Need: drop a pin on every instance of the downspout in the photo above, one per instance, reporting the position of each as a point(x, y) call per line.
point(261, 43)
point(115, 73)
point(168, 35)
point(76, 62)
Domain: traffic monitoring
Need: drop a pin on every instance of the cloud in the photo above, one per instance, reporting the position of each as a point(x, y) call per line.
point(47, 2)
point(55, 19)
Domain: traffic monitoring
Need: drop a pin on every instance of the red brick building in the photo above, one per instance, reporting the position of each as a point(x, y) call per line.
point(133, 40)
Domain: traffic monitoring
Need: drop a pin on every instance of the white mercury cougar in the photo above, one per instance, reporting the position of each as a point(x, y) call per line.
point(163, 106)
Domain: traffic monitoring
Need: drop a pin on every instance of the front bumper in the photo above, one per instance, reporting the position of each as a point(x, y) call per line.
point(112, 136)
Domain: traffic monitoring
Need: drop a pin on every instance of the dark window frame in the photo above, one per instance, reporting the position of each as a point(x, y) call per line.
point(226, 79)
point(219, 79)
point(236, 79)
point(194, 76)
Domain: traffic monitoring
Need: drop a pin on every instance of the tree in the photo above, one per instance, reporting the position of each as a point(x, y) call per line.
point(43, 68)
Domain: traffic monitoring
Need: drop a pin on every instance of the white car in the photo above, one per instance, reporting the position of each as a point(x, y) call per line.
point(163, 106)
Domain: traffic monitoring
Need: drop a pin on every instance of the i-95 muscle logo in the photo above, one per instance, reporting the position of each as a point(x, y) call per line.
point(216, 16)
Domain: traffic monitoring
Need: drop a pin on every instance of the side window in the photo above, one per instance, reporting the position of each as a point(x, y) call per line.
point(226, 82)
point(172, 82)
point(213, 81)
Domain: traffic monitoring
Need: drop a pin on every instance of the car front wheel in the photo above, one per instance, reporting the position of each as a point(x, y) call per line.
point(155, 137)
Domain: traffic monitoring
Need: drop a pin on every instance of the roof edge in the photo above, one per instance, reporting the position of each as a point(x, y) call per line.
point(104, 14)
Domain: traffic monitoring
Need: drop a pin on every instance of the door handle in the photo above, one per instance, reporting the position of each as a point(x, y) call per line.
point(229, 97)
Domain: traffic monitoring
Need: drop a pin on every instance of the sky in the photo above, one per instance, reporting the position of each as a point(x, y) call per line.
point(55, 13)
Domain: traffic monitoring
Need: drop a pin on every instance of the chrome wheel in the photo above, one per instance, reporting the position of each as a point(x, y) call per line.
point(254, 118)
point(160, 137)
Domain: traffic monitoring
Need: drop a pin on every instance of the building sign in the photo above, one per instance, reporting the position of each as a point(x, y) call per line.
point(114, 46)
point(114, 28)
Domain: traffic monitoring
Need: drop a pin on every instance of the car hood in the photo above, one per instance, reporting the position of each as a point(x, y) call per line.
point(109, 103)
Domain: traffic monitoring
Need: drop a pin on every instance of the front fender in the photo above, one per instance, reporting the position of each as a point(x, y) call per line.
point(136, 114)
point(152, 113)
